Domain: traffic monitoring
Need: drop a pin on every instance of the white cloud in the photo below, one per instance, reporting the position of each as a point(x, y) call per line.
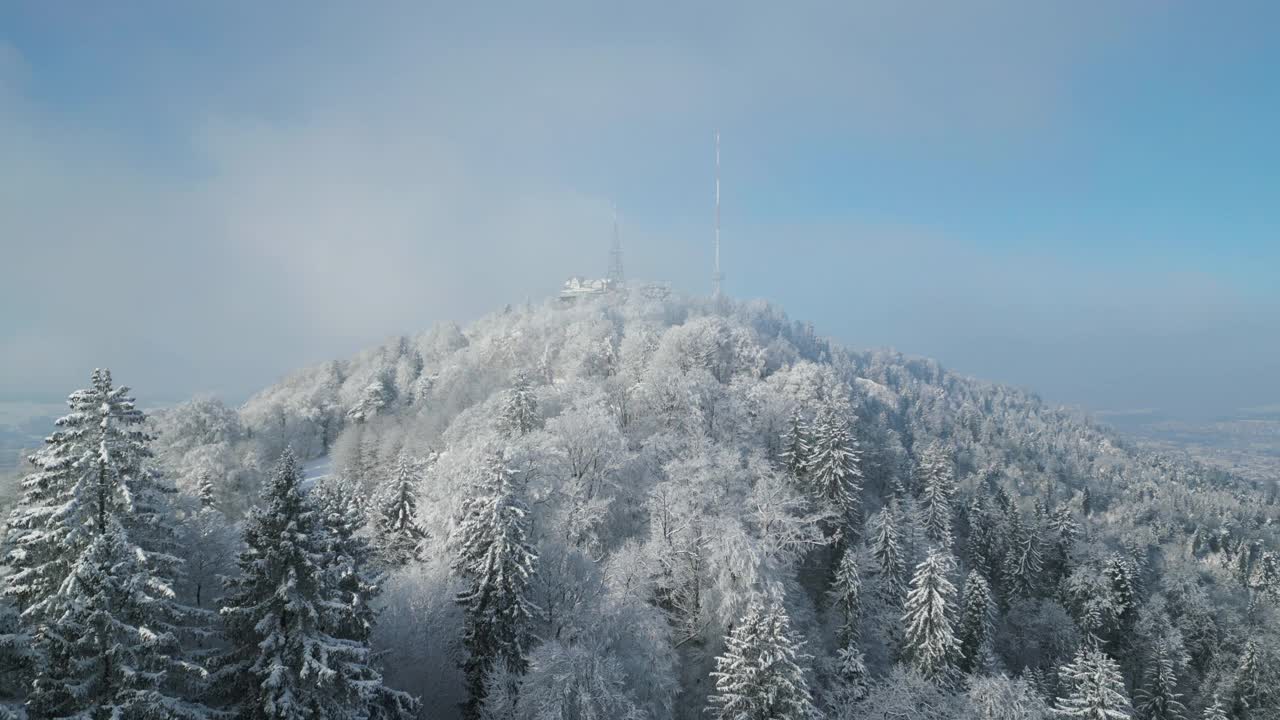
point(371, 171)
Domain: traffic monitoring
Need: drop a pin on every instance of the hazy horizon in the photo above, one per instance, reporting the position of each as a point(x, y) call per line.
point(204, 199)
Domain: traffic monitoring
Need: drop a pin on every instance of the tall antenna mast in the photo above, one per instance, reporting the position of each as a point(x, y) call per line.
point(716, 276)
point(616, 274)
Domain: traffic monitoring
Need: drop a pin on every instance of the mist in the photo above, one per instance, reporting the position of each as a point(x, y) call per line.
point(206, 200)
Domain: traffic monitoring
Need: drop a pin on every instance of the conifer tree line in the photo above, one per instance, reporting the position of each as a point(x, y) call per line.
point(640, 510)
point(98, 630)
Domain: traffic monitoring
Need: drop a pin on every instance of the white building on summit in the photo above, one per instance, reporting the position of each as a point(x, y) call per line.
point(577, 287)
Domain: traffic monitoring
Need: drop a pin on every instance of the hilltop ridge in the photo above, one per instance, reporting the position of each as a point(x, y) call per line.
point(644, 414)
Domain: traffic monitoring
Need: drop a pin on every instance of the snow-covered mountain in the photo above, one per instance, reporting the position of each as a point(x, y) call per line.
point(698, 482)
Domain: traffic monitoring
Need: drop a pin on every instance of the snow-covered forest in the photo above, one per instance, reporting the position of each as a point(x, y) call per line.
point(628, 508)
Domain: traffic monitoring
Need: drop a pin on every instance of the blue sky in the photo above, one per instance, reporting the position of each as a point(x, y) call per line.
point(1081, 198)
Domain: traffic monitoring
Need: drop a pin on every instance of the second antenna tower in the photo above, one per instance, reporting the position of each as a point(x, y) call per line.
point(717, 277)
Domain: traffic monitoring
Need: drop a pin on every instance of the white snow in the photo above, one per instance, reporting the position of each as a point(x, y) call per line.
point(315, 470)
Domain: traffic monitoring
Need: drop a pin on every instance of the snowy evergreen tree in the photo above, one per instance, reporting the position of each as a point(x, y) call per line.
point(1095, 686)
point(1064, 524)
point(501, 694)
point(520, 408)
point(759, 676)
point(1253, 688)
point(283, 660)
point(847, 596)
point(355, 586)
point(1244, 565)
point(346, 556)
point(935, 467)
point(938, 485)
point(92, 467)
point(1214, 710)
point(1158, 699)
point(1065, 530)
point(886, 549)
point(795, 446)
point(91, 569)
point(1023, 566)
point(497, 562)
point(852, 666)
point(833, 471)
point(398, 533)
point(1266, 577)
point(1039, 679)
point(16, 655)
point(1124, 588)
point(377, 396)
point(983, 542)
point(930, 644)
point(112, 651)
point(206, 490)
point(977, 608)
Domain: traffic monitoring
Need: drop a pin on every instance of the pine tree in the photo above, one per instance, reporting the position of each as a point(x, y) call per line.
point(282, 661)
point(930, 644)
point(205, 490)
point(852, 666)
point(833, 471)
point(347, 559)
point(759, 676)
point(898, 487)
point(1064, 524)
point(1023, 565)
point(1038, 679)
point(976, 610)
point(939, 486)
point(1158, 699)
point(1124, 593)
point(1243, 565)
point(935, 468)
point(847, 595)
point(520, 408)
point(1252, 686)
point(399, 534)
point(355, 587)
point(1267, 576)
point(16, 656)
point(886, 549)
point(982, 545)
point(1065, 530)
point(501, 694)
point(109, 653)
point(91, 570)
point(1096, 688)
point(795, 446)
point(91, 468)
point(1215, 710)
point(1199, 541)
point(498, 564)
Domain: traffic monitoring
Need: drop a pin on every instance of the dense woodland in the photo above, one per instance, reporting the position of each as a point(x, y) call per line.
point(629, 508)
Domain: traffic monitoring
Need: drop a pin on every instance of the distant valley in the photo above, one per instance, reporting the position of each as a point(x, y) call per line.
point(1246, 443)
point(24, 425)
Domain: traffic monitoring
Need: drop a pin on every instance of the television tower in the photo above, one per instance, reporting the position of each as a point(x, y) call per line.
point(717, 278)
point(616, 276)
